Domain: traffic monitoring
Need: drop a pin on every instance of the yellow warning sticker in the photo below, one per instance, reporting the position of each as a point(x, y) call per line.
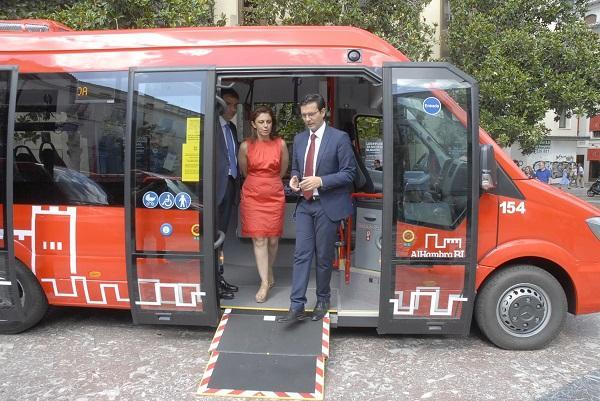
point(190, 151)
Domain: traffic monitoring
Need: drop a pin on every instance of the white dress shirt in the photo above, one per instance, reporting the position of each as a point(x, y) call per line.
point(319, 136)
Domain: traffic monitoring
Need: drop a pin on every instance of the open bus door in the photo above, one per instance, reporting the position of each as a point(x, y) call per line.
point(10, 304)
point(169, 196)
point(431, 195)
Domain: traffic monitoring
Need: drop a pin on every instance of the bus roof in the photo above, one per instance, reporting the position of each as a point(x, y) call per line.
point(270, 46)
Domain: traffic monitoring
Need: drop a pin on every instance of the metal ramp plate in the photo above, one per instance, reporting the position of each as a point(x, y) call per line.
point(254, 356)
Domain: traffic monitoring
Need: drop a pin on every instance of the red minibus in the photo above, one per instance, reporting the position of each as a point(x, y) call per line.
point(108, 187)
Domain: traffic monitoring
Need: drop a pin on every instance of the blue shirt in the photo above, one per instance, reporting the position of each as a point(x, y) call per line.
point(543, 175)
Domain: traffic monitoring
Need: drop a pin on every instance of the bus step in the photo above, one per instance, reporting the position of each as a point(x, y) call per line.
point(252, 355)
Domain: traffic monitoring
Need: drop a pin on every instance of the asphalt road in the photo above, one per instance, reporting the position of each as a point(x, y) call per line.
point(99, 355)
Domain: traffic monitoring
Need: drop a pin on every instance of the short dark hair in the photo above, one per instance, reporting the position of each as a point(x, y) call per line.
point(313, 98)
point(254, 115)
point(230, 92)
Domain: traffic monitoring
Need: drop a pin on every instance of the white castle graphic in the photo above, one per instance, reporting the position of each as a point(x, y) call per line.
point(415, 296)
point(445, 241)
point(66, 249)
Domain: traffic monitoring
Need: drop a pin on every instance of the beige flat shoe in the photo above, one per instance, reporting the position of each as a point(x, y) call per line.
point(263, 292)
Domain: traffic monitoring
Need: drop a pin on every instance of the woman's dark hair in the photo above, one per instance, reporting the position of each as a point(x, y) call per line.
point(257, 112)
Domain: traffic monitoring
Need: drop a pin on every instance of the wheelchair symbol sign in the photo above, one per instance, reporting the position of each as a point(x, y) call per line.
point(150, 199)
point(183, 200)
point(166, 200)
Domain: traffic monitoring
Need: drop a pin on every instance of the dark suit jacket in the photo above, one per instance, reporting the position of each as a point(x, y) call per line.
point(335, 165)
point(221, 165)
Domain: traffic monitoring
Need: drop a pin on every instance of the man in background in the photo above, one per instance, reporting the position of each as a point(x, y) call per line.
point(227, 178)
point(543, 174)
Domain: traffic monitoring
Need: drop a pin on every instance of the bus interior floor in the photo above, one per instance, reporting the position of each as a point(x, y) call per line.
point(361, 293)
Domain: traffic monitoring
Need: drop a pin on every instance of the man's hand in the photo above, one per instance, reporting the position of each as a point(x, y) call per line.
point(310, 183)
point(294, 184)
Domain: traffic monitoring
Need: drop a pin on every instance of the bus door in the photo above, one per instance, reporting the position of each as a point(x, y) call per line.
point(10, 305)
point(169, 196)
point(430, 199)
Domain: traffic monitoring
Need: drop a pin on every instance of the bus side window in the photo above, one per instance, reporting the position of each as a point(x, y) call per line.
point(75, 124)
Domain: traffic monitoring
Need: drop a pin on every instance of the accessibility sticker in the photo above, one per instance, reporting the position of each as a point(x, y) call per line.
point(150, 199)
point(166, 200)
point(183, 200)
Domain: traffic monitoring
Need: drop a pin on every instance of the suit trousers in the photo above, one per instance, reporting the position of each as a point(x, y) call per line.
point(316, 235)
point(224, 210)
point(226, 205)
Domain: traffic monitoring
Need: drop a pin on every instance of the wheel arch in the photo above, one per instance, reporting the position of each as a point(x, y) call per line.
point(557, 271)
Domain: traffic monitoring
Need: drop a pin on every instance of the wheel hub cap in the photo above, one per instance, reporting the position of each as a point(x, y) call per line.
point(523, 310)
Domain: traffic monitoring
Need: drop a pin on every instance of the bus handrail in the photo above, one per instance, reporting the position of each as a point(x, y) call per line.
point(220, 239)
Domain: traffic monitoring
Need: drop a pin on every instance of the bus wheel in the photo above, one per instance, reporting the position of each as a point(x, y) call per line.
point(521, 308)
point(33, 301)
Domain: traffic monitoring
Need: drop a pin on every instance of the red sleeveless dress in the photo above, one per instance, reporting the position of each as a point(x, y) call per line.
point(262, 202)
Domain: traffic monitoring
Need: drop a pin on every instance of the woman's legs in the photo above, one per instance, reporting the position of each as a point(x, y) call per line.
point(273, 245)
point(261, 254)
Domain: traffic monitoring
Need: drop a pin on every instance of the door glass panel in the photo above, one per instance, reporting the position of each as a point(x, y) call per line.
point(169, 284)
point(424, 291)
point(429, 277)
point(8, 287)
point(168, 127)
point(432, 168)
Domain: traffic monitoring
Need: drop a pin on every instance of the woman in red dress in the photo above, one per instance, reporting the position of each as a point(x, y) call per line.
point(263, 159)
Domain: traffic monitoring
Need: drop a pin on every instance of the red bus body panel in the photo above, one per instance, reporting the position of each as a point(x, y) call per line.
point(553, 227)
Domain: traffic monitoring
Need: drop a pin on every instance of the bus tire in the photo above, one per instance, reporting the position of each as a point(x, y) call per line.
point(521, 307)
point(33, 301)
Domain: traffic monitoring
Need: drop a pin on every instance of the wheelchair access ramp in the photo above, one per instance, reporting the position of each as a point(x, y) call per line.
point(254, 356)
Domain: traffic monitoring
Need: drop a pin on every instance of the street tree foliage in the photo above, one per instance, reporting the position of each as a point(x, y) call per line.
point(115, 14)
point(398, 22)
point(529, 56)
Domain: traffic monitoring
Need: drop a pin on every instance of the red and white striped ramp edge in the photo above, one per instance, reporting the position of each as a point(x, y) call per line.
point(203, 389)
point(219, 333)
point(325, 337)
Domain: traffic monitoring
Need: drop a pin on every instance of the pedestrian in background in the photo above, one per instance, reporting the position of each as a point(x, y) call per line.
point(528, 172)
point(543, 174)
point(565, 182)
point(579, 176)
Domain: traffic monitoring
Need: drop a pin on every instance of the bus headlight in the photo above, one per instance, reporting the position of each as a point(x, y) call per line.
point(594, 225)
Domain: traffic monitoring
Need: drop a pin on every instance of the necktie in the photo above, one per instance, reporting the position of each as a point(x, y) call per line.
point(230, 151)
point(308, 165)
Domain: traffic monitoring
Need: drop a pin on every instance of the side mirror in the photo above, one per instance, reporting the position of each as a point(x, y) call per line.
point(488, 175)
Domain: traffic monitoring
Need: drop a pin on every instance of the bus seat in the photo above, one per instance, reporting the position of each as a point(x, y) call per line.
point(47, 159)
point(24, 157)
point(362, 181)
point(46, 154)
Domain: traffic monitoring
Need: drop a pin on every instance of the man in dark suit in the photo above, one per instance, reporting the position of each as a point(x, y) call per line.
point(227, 177)
point(323, 169)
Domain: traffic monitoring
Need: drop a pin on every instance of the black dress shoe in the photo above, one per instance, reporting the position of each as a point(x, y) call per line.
point(321, 309)
point(226, 286)
point(291, 316)
point(223, 294)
